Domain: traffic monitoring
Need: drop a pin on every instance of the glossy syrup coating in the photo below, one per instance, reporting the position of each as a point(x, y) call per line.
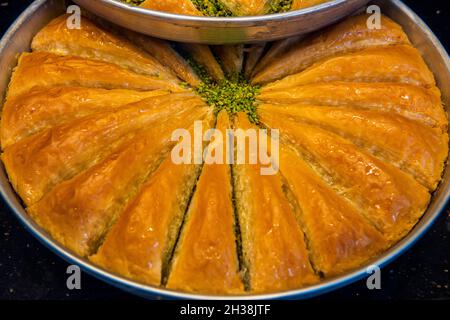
point(37, 163)
point(87, 136)
point(206, 257)
point(173, 6)
point(140, 244)
point(79, 211)
point(91, 42)
point(274, 247)
point(350, 35)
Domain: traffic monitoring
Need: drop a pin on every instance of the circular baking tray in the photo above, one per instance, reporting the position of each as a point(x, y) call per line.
point(17, 39)
point(220, 30)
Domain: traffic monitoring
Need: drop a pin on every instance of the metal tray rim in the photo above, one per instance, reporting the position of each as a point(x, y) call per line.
point(205, 20)
point(222, 30)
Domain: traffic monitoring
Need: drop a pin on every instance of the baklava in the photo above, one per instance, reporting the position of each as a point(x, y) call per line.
point(87, 142)
point(225, 8)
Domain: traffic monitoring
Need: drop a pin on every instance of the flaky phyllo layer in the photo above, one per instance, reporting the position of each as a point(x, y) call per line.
point(87, 138)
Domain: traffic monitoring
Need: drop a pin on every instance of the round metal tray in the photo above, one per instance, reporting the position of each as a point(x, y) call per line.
point(217, 30)
point(18, 39)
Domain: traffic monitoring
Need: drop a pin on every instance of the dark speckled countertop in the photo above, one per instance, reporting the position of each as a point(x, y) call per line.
point(28, 270)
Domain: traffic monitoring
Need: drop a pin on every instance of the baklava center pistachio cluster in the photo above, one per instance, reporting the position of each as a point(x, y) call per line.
point(233, 93)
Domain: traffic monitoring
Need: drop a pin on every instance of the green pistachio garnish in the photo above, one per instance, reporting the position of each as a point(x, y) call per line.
point(212, 8)
point(277, 6)
point(233, 95)
point(199, 70)
point(135, 2)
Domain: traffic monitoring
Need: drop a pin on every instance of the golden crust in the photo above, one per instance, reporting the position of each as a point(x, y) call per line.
point(206, 256)
point(392, 200)
point(79, 212)
point(45, 70)
point(47, 107)
point(231, 58)
point(37, 163)
point(174, 6)
point(275, 50)
point(87, 130)
point(413, 102)
point(140, 244)
point(350, 35)
point(273, 244)
point(339, 237)
point(402, 64)
point(301, 4)
point(417, 149)
point(203, 55)
point(91, 42)
point(163, 51)
point(247, 7)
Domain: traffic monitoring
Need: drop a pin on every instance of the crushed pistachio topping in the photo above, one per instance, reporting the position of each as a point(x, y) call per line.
point(135, 2)
point(233, 95)
point(277, 6)
point(212, 8)
point(215, 8)
point(199, 70)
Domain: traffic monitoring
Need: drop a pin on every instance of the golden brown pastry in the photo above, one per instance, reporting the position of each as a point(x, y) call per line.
point(247, 7)
point(38, 163)
point(350, 35)
point(43, 108)
point(173, 6)
point(231, 58)
point(206, 257)
point(88, 138)
point(163, 51)
point(392, 200)
point(203, 55)
point(339, 236)
point(91, 42)
point(275, 50)
point(417, 149)
point(273, 245)
point(79, 212)
point(300, 4)
point(44, 70)
point(141, 243)
point(393, 64)
point(253, 54)
point(413, 102)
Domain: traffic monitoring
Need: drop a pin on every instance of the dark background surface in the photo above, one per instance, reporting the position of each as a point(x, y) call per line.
point(28, 270)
